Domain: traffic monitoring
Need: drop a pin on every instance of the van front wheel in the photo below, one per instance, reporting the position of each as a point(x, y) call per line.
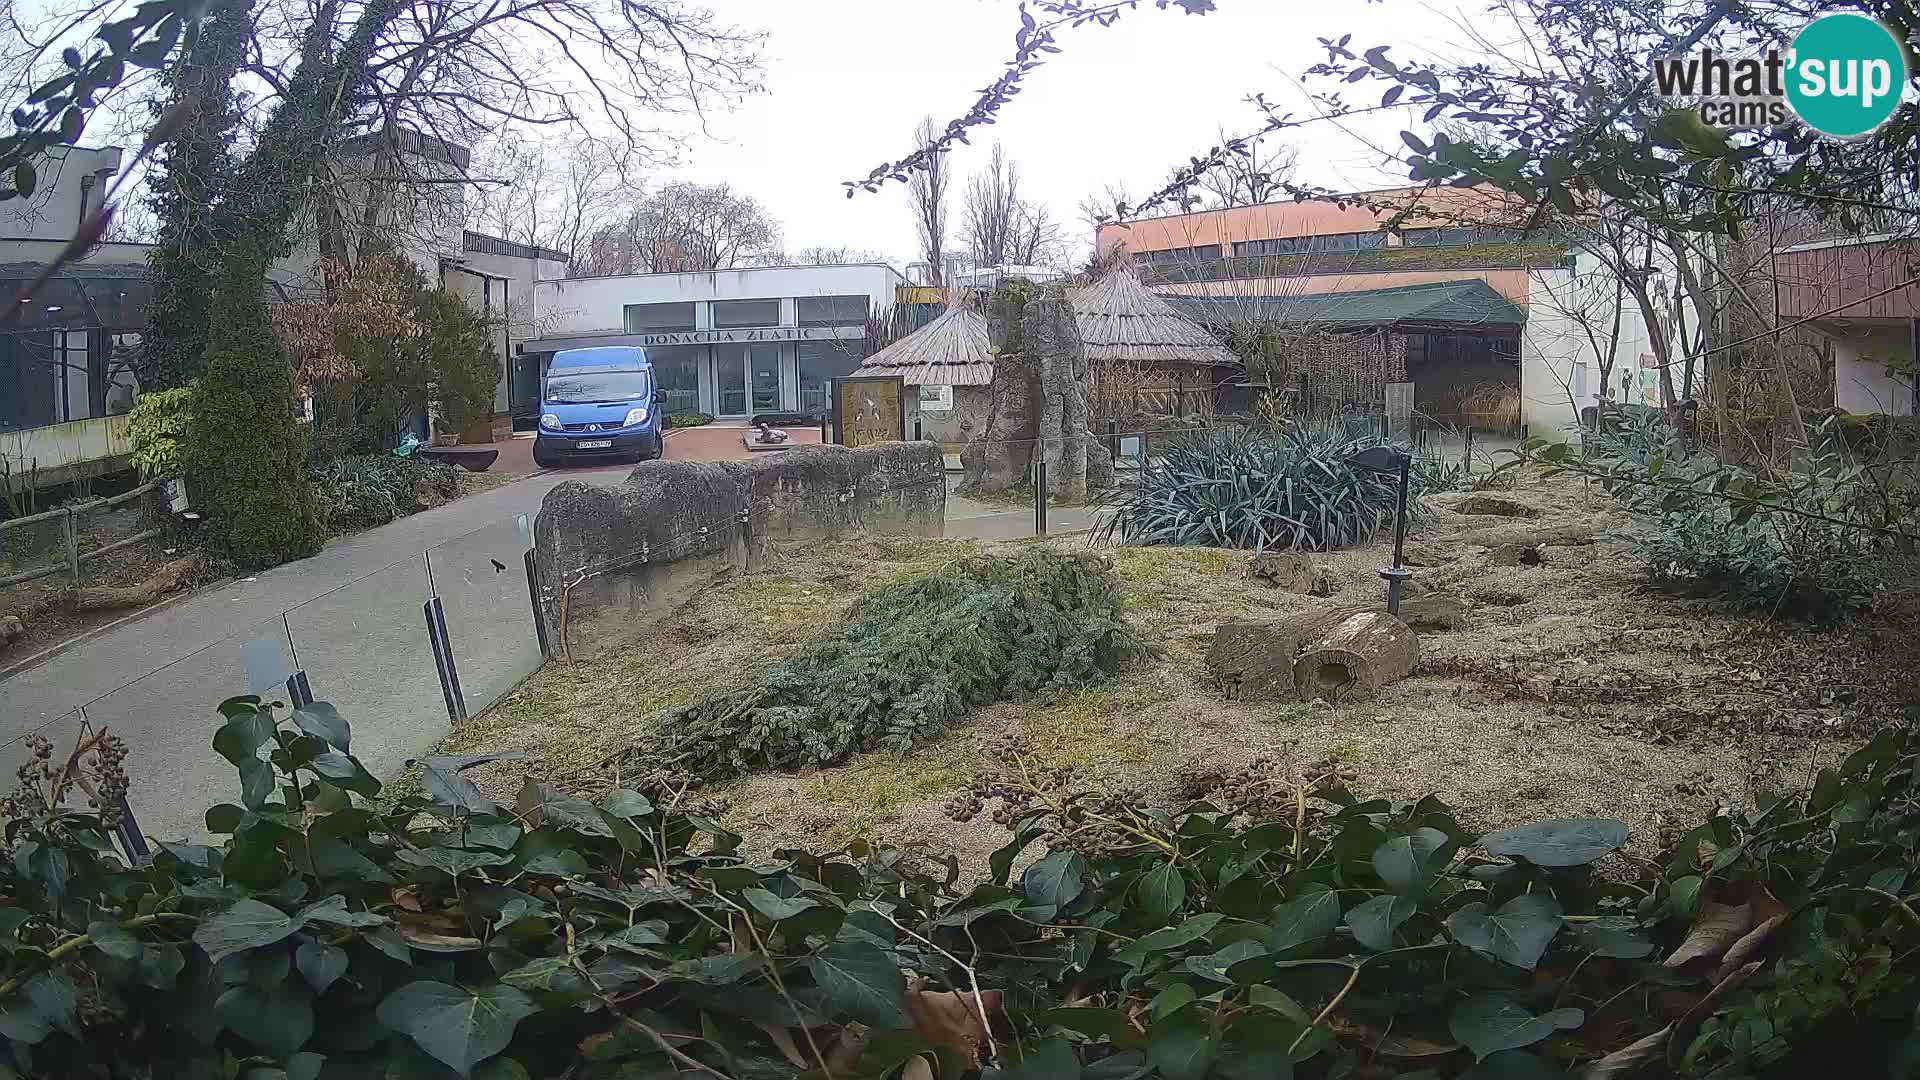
point(542, 458)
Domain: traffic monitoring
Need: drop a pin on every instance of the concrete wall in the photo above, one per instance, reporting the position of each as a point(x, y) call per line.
point(1872, 365)
point(58, 451)
point(612, 561)
point(67, 175)
point(597, 305)
point(505, 293)
point(1559, 363)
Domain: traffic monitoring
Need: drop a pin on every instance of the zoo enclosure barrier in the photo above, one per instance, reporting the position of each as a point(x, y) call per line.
point(42, 534)
point(422, 643)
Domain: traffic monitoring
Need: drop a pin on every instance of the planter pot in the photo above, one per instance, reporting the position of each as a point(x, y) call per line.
point(480, 432)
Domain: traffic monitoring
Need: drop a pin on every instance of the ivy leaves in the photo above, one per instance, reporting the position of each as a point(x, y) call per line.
point(1517, 932)
point(860, 980)
point(460, 1027)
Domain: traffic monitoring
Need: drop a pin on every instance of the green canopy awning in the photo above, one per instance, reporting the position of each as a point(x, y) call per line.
point(1438, 306)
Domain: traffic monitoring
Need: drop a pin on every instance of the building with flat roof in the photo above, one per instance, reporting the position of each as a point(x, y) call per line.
point(1433, 286)
point(727, 343)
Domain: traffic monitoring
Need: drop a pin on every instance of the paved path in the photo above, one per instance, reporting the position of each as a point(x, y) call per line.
point(352, 618)
point(359, 633)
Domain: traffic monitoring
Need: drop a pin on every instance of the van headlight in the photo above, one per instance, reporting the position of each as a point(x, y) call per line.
point(635, 416)
point(550, 422)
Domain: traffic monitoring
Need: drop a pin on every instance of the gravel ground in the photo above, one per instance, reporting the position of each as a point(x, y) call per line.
point(1573, 689)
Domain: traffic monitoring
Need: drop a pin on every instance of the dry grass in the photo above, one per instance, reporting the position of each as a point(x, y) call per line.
point(1574, 690)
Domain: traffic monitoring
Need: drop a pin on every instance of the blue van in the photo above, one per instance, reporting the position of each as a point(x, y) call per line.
point(599, 404)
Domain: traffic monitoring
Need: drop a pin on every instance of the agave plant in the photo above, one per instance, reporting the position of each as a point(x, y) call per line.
point(1289, 490)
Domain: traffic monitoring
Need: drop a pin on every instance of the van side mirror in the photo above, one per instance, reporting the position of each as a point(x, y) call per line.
point(660, 397)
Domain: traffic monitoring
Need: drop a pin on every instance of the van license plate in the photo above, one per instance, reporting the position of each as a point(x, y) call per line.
point(595, 444)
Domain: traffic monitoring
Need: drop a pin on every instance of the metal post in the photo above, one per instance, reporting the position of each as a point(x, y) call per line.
point(1468, 459)
point(1113, 438)
point(70, 533)
point(916, 430)
point(1398, 573)
point(1040, 496)
point(533, 596)
point(299, 691)
point(443, 660)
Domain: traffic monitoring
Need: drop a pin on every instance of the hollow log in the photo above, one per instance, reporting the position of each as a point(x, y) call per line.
point(1253, 658)
point(1354, 657)
point(169, 577)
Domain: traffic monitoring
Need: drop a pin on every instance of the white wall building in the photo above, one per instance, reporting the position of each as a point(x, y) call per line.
point(728, 343)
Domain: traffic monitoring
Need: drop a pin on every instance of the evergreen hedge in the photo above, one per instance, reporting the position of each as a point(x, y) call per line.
point(246, 457)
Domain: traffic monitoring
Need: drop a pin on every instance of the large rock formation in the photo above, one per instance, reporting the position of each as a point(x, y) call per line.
point(1039, 402)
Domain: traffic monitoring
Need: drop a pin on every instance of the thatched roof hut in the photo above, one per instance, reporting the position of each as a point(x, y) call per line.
point(1123, 321)
point(949, 351)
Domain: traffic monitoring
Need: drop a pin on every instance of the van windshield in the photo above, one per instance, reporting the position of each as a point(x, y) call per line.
point(589, 386)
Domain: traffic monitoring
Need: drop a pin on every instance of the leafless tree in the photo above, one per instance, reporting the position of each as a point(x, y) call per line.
point(553, 192)
point(682, 227)
point(835, 256)
point(1001, 227)
point(1258, 173)
point(927, 193)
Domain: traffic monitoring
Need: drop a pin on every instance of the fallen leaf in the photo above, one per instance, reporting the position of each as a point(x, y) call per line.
point(950, 1018)
point(1624, 1061)
point(406, 900)
point(1714, 930)
point(917, 1069)
point(1744, 950)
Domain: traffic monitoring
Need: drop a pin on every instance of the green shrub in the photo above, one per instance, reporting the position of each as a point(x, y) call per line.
point(910, 659)
point(155, 427)
point(1278, 927)
point(688, 419)
point(1290, 489)
point(364, 490)
point(459, 350)
point(245, 457)
point(1806, 545)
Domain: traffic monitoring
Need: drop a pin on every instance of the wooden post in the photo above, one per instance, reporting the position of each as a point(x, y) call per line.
point(71, 534)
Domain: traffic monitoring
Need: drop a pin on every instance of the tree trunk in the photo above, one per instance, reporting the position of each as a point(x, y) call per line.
point(1352, 659)
point(169, 577)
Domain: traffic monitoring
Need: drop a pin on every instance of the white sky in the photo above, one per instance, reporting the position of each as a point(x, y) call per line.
point(848, 80)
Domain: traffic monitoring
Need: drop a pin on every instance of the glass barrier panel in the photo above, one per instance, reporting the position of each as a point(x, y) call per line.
point(168, 718)
point(366, 651)
point(482, 582)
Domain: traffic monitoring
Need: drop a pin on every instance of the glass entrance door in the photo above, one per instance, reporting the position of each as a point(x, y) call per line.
point(763, 369)
point(730, 379)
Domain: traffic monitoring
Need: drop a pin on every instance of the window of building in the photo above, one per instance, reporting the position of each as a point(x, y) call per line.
point(832, 310)
point(659, 318)
point(1294, 245)
point(1458, 236)
point(677, 367)
point(820, 362)
point(1179, 256)
point(736, 314)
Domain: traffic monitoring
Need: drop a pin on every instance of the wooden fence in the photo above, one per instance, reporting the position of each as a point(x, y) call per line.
point(69, 518)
